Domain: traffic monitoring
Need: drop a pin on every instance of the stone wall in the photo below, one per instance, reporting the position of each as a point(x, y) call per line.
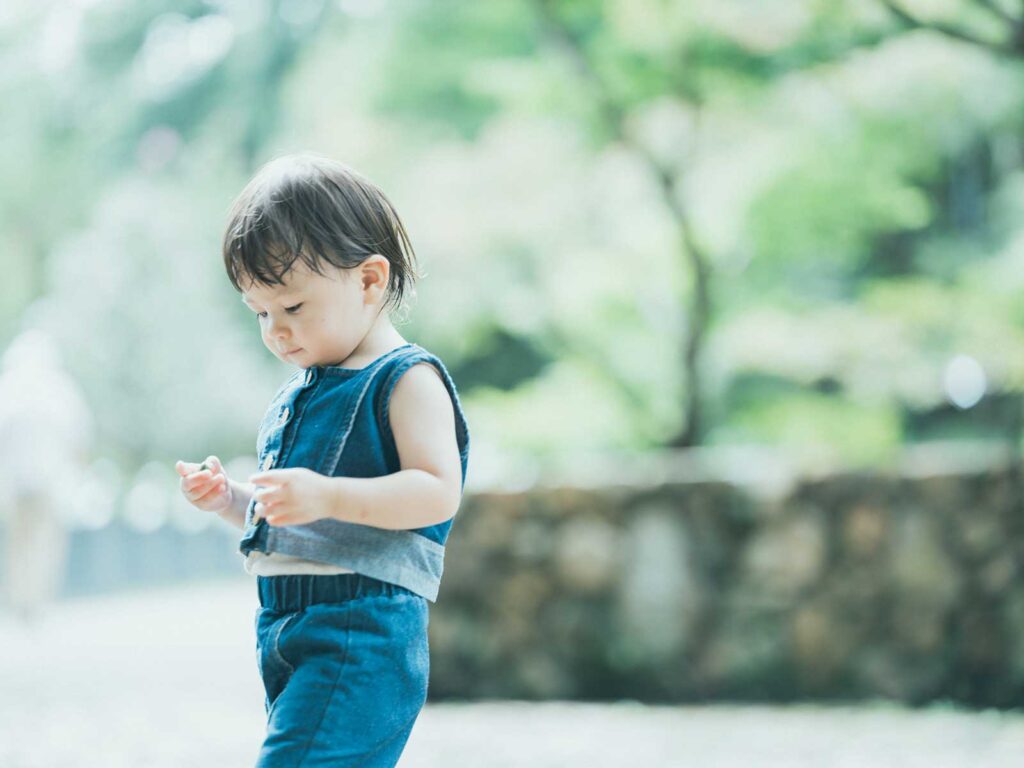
point(697, 584)
point(700, 577)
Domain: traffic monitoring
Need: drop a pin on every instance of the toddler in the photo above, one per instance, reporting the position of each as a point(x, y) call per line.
point(362, 463)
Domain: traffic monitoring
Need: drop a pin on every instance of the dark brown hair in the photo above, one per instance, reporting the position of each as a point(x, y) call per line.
point(318, 210)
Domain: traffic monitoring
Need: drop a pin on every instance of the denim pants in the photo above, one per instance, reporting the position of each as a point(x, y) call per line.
point(344, 661)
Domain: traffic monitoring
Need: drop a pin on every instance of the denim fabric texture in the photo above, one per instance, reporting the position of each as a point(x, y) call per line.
point(345, 663)
point(344, 658)
point(334, 421)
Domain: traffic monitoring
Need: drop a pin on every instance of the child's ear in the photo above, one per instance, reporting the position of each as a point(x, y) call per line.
point(374, 273)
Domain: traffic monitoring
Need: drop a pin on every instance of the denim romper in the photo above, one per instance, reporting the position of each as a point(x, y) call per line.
point(344, 657)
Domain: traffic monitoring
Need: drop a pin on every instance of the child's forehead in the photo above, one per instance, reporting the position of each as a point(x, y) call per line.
point(259, 292)
point(294, 280)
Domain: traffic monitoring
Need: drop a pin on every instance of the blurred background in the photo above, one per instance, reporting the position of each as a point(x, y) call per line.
point(732, 295)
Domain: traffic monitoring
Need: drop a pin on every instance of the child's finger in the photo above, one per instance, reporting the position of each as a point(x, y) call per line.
point(186, 468)
point(264, 511)
point(273, 477)
point(211, 493)
point(206, 480)
point(267, 495)
point(196, 480)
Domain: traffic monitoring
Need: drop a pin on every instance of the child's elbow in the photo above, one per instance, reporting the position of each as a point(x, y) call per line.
point(450, 500)
point(450, 507)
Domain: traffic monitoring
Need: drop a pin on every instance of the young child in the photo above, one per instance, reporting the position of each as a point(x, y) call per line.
point(362, 457)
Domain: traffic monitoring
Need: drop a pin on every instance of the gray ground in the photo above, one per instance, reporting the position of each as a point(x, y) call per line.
point(168, 678)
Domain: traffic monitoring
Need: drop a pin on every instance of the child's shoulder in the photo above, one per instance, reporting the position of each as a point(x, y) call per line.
point(421, 385)
point(417, 374)
point(422, 415)
point(420, 389)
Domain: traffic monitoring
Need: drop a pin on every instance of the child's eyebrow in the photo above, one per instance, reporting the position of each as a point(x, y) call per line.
point(281, 298)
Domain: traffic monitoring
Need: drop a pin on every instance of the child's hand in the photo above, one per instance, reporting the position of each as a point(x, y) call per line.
point(205, 485)
point(292, 496)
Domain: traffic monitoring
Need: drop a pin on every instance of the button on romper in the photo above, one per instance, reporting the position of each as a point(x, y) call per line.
point(344, 657)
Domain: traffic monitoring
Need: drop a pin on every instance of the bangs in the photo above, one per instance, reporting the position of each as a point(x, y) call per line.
point(320, 212)
point(263, 243)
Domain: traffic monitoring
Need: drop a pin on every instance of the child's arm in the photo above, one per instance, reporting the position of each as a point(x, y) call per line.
point(428, 489)
point(241, 494)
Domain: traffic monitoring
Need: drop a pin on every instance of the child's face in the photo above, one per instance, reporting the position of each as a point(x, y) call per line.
point(313, 319)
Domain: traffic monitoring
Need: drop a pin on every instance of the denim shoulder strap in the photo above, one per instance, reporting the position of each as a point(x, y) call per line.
point(395, 371)
point(370, 377)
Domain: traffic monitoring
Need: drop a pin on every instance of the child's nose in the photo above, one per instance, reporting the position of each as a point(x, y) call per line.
point(276, 330)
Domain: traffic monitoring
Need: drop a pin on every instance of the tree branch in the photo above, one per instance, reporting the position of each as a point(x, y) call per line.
point(997, 10)
point(614, 116)
point(573, 48)
point(949, 30)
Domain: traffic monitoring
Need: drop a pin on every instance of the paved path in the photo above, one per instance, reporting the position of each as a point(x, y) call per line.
point(168, 679)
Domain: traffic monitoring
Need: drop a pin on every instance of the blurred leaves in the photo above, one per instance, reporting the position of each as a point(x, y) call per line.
point(856, 183)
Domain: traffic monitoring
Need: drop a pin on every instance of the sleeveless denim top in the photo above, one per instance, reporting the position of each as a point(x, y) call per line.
point(334, 421)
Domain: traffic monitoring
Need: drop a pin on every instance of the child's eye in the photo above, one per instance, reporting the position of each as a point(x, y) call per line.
point(289, 310)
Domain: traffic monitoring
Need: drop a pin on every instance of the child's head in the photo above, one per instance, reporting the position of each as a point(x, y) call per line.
point(319, 253)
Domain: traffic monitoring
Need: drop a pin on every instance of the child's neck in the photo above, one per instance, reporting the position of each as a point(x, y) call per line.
point(380, 339)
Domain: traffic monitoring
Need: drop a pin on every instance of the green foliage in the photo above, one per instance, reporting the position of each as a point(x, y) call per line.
point(857, 189)
point(813, 423)
point(456, 39)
